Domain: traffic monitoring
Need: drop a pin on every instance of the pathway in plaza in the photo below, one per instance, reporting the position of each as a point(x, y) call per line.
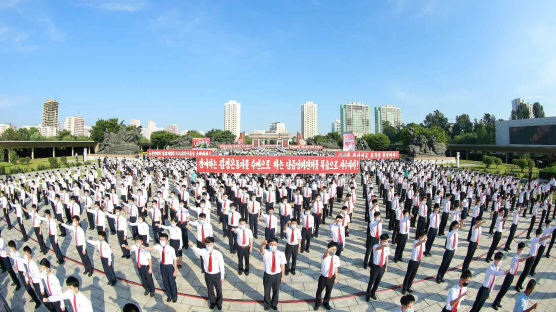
point(245, 293)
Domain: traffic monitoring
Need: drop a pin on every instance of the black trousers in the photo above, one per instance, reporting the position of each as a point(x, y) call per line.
point(40, 239)
point(402, 239)
point(146, 278)
point(471, 248)
point(243, 258)
point(291, 253)
point(271, 283)
point(526, 269)
point(421, 224)
point(29, 288)
point(169, 281)
point(531, 226)
point(54, 245)
point(121, 241)
point(318, 219)
point(443, 221)
point(412, 268)
point(7, 217)
point(306, 235)
point(85, 259)
point(508, 245)
point(431, 235)
point(253, 224)
point(283, 221)
point(324, 283)
point(232, 238)
point(7, 265)
point(108, 269)
point(494, 244)
point(269, 233)
point(374, 280)
point(540, 252)
point(214, 284)
point(482, 296)
point(446, 259)
point(493, 222)
point(22, 228)
point(504, 288)
point(371, 241)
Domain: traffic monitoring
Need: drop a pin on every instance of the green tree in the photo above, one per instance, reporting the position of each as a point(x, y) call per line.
point(463, 125)
point(523, 111)
point(538, 110)
point(221, 137)
point(521, 163)
point(377, 141)
point(391, 132)
point(195, 134)
point(35, 135)
point(437, 119)
point(97, 131)
point(161, 139)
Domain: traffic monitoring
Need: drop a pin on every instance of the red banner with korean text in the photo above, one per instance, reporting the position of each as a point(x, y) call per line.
point(277, 164)
point(306, 147)
point(235, 146)
point(369, 154)
point(178, 153)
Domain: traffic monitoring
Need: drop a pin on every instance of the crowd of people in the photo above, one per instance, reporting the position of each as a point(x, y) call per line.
point(273, 151)
point(159, 208)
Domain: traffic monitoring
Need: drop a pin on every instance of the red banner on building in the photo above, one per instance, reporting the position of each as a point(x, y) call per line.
point(306, 147)
point(235, 146)
point(178, 153)
point(200, 142)
point(277, 164)
point(370, 154)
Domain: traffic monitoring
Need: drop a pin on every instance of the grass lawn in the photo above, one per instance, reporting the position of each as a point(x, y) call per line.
point(33, 165)
point(501, 169)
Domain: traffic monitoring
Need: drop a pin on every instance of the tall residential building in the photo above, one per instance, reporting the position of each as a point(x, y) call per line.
point(232, 117)
point(278, 127)
point(50, 114)
point(6, 126)
point(75, 125)
point(515, 105)
point(135, 122)
point(172, 128)
point(336, 126)
point(356, 118)
point(390, 113)
point(151, 127)
point(309, 120)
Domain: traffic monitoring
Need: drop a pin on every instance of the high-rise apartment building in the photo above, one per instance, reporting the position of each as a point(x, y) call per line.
point(356, 118)
point(390, 113)
point(515, 105)
point(232, 117)
point(172, 128)
point(75, 125)
point(309, 120)
point(336, 126)
point(278, 127)
point(50, 114)
point(135, 122)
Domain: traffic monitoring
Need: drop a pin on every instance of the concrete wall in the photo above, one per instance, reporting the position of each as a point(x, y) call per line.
point(503, 127)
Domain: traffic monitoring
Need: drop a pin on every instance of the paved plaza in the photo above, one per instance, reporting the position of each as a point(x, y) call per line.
point(245, 293)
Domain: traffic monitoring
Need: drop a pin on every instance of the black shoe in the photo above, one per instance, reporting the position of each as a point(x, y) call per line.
point(266, 308)
point(218, 307)
point(518, 289)
point(301, 251)
point(152, 294)
point(287, 272)
point(373, 296)
point(90, 273)
point(17, 287)
point(63, 235)
point(37, 304)
point(327, 306)
point(275, 308)
point(400, 260)
point(212, 305)
point(395, 260)
point(239, 272)
point(499, 305)
point(532, 274)
point(146, 293)
point(179, 266)
point(364, 266)
point(316, 307)
point(437, 281)
point(246, 273)
point(410, 290)
point(307, 250)
point(293, 272)
point(495, 307)
point(123, 256)
point(175, 300)
point(488, 260)
point(403, 291)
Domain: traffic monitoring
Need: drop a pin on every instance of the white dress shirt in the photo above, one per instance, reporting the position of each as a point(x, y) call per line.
point(213, 262)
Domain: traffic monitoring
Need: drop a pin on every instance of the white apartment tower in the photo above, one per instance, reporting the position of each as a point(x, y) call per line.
point(309, 120)
point(75, 125)
point(232, 117)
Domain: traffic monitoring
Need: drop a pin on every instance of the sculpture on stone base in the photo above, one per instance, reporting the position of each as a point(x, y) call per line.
point(123, 142)
point(183, 142)
point(420, 144)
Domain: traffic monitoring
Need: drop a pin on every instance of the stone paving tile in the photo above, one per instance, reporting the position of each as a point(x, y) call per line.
point(352, 278)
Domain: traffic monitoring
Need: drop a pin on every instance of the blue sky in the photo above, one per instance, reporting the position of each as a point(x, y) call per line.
point(180, 61)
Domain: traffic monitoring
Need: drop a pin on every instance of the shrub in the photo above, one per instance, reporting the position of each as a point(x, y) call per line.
point(497, 161)
point(2, 170)
point(13, 157)
point(53, 162)
point(521, 163)
point(488, 160)
point(64, 161)
point(25, 160)
point(546, 173)
point(41, 167)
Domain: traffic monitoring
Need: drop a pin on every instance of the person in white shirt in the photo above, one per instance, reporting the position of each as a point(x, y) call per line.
point(476, 232)
point(274, 266)
point(374, 230)
point(513, 228)
point(492, 272)
point(6, 264)
point(509, 278)
point(78, 237)
point(328, 275)
point(120, 225)
point(144, 263)
point(20, 267)
point(271, 223)
point(293, 245)
point(142, 228)
point(175, 235)
point(403, 226)
point(105, 254)
point(168, 267)
point(254, 208)
point(78, 301)
point(533, 253)
point(36, 223)
point(451, 246)
point(214, 271)
point(50, 286)
point(233, 223)
point(456, 295)
point(244, 240)
point(307, 229)
point(379, 266)
point(414, 262)
point(338, 234)
point(32, 271)
point(499, 225)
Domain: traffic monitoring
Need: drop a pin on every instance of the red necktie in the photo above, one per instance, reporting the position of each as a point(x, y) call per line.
point(48, 285)
point(163, 254)
point(100, 247)
point(273, 262)
point(139, 258)
point(381, 258)
point(377, 234)
point(331, 268)
point(340, 235)
point(455, 308)
point(49, 230)
point(516, 268)
point(232, 222)
point(454, 241)
point(406, 229)
point(292, 235)
point(243, 243)
point(492, 283)
point(97, 218)
point(420, 252)
point(210, 263)
point(478, 235)
point(436, 221)
point(307, 223)
point(75, 234)
point(269, 222)
point(117, 223)
point(203, 233)
point(74, 303)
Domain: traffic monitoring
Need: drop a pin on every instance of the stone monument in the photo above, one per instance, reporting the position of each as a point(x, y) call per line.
point(122, 142)
point(421, 145)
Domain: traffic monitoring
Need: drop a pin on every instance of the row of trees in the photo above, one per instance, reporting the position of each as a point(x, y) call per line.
point(33, 134)
point(523, 111)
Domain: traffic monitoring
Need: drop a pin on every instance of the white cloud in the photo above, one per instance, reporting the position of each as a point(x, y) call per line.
point(115, 5)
